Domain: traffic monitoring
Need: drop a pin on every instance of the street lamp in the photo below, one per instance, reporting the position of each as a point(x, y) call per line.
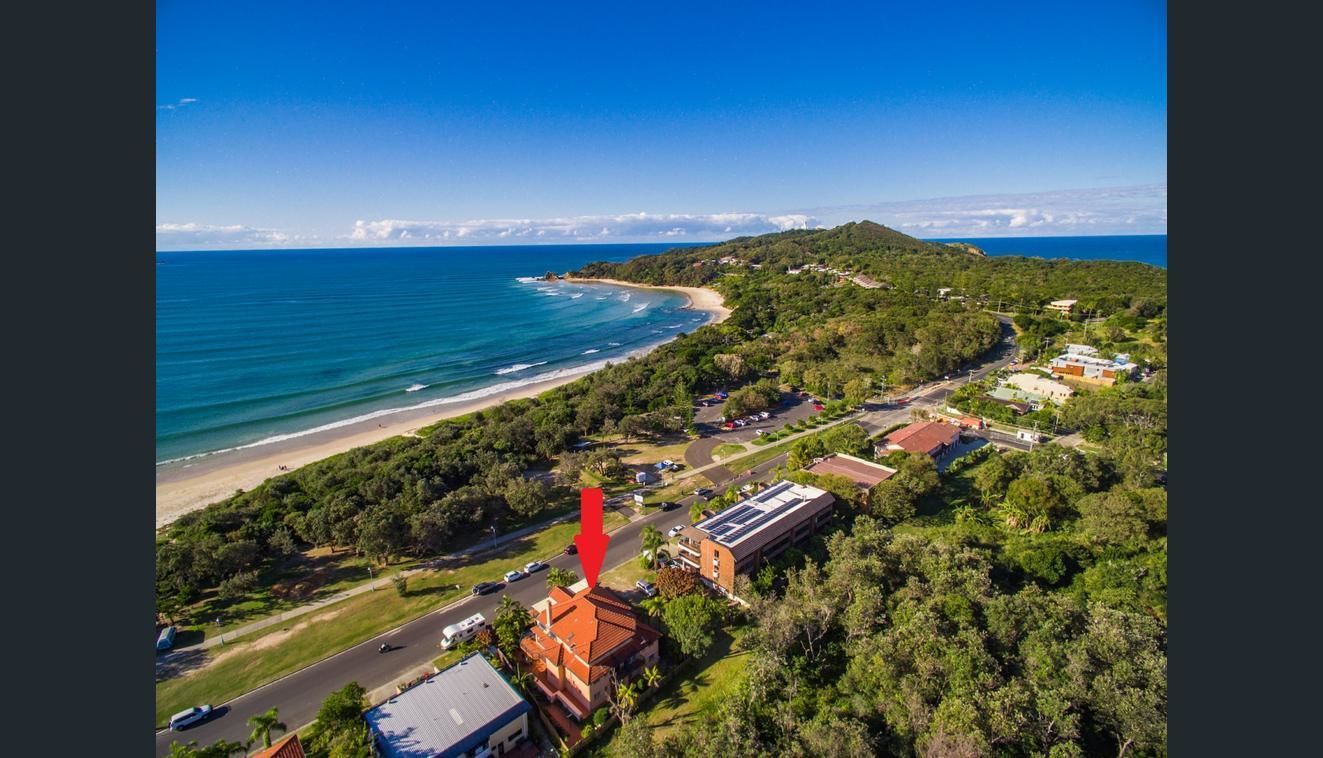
point(493, 536)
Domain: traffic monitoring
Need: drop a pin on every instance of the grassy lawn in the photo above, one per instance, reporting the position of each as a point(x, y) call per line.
point(624, 576)
point(225, 672)
point(331, 573)
point(637, 453)
point(699, 691)
point(727, 449)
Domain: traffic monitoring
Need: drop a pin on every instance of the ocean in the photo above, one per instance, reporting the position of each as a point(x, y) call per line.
point(255, 347)
point(1145, 248)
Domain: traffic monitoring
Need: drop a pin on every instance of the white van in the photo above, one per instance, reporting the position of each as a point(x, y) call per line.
point(456, 633)
point(1028, 436)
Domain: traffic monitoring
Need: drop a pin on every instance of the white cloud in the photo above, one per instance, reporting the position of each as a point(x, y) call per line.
point(179, 104)
point(199, 236)
point(625, 228)
point(1114, 210)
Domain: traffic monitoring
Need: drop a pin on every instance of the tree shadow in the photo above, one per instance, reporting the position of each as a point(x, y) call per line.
point(173, 665)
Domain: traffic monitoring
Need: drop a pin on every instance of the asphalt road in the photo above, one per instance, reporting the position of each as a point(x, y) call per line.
point(299, 695)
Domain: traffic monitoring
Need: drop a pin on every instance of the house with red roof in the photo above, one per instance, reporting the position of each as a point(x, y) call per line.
point(933, 438)
point(287, 747)
point(582, 640)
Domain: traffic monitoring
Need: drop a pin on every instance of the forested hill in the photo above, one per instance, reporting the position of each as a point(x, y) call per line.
point(1014, 604)
point(907, 264)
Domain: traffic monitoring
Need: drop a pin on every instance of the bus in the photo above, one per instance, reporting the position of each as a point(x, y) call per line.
point(463, 631)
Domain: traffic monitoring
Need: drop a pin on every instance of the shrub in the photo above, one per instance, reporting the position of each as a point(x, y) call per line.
point(400, 583)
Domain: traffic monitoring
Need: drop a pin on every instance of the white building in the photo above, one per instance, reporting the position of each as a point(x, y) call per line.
point(1061, 306)
point(466, 709)
point(1041, 386)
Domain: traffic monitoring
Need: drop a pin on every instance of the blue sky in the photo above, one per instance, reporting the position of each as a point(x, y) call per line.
point(315, 124)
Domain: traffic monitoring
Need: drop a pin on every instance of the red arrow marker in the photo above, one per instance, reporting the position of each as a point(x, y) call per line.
point(590, 540)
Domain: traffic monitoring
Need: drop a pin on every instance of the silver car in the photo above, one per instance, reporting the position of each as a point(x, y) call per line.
point(187, 718)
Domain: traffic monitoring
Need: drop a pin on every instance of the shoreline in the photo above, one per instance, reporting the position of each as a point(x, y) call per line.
point(700, 298)
point(191, 484)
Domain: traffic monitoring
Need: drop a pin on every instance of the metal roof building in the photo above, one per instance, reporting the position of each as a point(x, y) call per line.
point(453, 713)
point(749, 524)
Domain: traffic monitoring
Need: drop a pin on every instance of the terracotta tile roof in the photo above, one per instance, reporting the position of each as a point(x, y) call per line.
point(923, 437)
point(589, 633)
point(286, 747)
point(861, 472)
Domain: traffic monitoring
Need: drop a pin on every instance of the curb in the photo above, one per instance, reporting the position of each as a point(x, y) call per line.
point(319, 661)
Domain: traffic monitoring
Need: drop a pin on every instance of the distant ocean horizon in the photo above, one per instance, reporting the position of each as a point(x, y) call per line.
point(1144, 248)
point(255, 347)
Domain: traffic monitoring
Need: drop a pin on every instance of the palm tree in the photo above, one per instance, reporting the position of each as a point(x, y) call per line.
point(652, 539)
point(559, 577)
point(627, 696)
point(696, 512)
point(522, 679)
point(263, 724)
point(651, 676)
point(653, 605)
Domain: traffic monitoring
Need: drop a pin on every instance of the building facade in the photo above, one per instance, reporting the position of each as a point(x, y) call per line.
point(583, 638)
point(738, 539)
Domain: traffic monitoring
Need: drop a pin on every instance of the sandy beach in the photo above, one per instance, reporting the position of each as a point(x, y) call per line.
point(700, 298)
point(189, 485)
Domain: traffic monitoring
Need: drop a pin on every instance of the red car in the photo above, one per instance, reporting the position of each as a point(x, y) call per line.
point(729, 425)
point(818, 407)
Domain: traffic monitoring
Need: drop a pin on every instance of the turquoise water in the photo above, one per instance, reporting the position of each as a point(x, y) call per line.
point(1145, 248)
point(254, 347)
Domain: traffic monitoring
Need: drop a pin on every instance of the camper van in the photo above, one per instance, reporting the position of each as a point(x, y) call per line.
point(463, 631)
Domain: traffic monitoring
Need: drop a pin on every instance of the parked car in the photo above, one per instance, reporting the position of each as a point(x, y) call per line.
point(704, 493)
point(185, 719)
point(534, 567)
point(513, 576)
point(666, 505)
point(764, 415)
point(571, 549)
point(485, 588)
point(675, 530)
point(819, 407)
point(648, 588)
point(729, 425)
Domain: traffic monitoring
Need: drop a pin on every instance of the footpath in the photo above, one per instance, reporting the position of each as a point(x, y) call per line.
point(372, 586)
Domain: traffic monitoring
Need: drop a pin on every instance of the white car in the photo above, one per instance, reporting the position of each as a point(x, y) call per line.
point(675, 530)
point(513, 576)
point(764, 415)
point(534, 567)
point(187, 718)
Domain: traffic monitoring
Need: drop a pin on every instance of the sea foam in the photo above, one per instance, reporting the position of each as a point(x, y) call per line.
point(517, 367)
